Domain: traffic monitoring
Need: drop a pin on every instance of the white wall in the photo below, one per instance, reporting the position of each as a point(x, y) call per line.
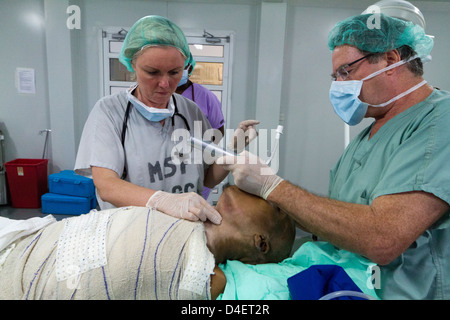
point(22, 116)
point(314, 136)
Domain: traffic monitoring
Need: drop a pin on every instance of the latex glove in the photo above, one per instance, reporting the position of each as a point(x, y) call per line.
point(242, 136)
point(251, 174)
point(189, 206)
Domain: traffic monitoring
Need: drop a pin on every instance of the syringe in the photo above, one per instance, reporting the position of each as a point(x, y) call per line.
point(212, 148)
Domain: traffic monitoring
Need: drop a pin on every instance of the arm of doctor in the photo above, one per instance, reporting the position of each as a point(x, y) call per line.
point(380, 231)
point(120, 193)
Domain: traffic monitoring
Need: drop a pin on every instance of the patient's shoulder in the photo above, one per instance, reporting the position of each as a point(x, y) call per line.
point(218, 282)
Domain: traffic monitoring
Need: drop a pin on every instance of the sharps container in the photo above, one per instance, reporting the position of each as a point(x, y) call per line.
point(27, 181)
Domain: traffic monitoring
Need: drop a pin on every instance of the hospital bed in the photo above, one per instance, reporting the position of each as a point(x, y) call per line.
point(273, 281)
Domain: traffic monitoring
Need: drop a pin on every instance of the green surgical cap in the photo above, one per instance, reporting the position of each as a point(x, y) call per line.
point(157, 31)
point(363, 32)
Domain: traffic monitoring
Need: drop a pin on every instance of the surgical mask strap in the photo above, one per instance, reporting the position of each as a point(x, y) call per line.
point(401, 95)
point(392, 66)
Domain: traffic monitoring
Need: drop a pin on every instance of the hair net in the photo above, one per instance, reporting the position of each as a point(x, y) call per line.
point(391, 33)
point(157, 31)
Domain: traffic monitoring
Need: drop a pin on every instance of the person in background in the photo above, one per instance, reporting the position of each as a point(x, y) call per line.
point(211, 107)
point(204, 98)
point(207, 102)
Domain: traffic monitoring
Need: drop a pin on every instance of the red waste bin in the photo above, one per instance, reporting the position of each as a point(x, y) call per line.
point(28, 181)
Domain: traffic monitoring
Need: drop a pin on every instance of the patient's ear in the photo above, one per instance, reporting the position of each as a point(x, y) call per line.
point(261, 243)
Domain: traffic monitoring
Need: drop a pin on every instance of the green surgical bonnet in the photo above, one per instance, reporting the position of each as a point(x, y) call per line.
point(391, 34)
point(154, 30)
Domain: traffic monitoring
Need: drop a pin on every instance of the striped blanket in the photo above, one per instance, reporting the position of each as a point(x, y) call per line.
point(126, 253)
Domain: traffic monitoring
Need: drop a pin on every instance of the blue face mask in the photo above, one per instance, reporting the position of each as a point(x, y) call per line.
point(150, 113)
point(184, 78)
point(344, 96)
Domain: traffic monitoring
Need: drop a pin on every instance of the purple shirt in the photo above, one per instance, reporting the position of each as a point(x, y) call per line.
point(211, 108)
point(208, 103)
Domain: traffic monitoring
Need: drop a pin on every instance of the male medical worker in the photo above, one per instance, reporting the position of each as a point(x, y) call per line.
point(389, 192)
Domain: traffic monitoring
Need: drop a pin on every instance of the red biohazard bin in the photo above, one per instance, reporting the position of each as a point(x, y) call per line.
point(28, 181)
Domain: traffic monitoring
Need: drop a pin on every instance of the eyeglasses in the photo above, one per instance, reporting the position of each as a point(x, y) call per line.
point(342, 71)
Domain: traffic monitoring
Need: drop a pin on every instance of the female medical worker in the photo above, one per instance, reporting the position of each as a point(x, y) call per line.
point(126, 143)
point(389, 193)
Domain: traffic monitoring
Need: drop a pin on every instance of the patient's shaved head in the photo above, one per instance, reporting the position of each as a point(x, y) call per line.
point(257, 231)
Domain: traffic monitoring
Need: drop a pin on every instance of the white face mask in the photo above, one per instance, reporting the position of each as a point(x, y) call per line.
point(344, 96)
point(150, 113)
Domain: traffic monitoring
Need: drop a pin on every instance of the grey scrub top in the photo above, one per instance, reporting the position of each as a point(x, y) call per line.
point(148, 146)
point(411, 152)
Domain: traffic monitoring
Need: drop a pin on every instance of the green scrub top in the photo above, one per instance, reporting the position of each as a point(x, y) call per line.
point(411, 152)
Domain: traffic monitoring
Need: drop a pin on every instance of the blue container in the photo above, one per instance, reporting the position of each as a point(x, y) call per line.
point(62, 204)
point(69, 183)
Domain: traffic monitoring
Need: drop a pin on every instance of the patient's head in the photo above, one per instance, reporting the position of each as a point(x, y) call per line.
point(252, 230)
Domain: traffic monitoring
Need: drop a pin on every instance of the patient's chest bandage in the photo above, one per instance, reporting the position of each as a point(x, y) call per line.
point(82, 245)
